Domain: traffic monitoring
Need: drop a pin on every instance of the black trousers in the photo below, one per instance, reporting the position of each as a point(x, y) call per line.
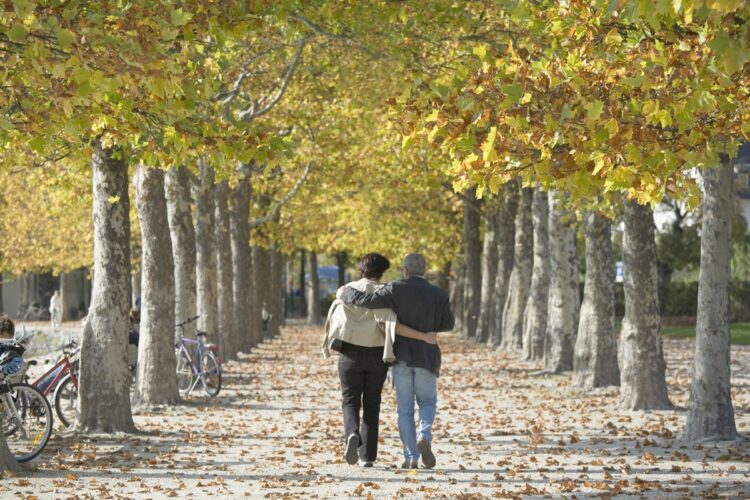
point(362, 373)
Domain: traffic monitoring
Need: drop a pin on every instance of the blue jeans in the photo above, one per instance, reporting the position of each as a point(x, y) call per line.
point(414, 383)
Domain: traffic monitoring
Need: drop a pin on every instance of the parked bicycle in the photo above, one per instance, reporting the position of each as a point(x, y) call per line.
point(203, 366)
point(26, 419)
point(63, 380)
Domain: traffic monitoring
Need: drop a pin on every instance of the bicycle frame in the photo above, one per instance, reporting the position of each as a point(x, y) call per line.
point(63, 367)
point(184, 344)
point(8, 404)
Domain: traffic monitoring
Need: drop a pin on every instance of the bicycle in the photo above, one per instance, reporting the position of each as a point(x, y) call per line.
point(207, 370)
point(61, 381)
point(26, 419)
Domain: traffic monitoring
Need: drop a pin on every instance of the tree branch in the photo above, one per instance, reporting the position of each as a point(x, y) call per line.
point(250, 113)
point(472, 204)
point(276, 210)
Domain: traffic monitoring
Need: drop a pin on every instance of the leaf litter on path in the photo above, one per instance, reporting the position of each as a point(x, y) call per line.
point(276, 431)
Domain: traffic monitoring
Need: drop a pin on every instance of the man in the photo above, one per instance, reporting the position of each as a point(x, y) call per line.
point(55, 310)
point(425, 308)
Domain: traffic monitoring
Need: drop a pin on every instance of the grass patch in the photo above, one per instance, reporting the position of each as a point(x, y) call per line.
point(739, 333)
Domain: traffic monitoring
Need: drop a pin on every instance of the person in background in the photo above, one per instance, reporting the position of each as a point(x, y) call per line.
point(55, 310)
point(11, 359)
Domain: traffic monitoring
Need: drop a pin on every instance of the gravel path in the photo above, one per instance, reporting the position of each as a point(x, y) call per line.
point(276, 431)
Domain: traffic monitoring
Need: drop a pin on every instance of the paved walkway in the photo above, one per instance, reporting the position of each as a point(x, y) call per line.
point(275, 431)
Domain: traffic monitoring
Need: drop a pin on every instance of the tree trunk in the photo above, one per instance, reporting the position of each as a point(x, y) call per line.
point(562, 308)
point(241, 266)
point(182, 232)
point(2, 306)
point(642, 366)
point(205, 246)
point(302, 286)
point(27, 294)
point(277, 264)
point(314, 316)
point(224, 291)
point(261, 280)
point(457, 297)
point(104, 393)
point(520, 277)
point(442, 277)
point(156, 383)
point(341, 259)
point(710, 411)
point(505, 233)
point(489, 271)
point(473, 256)
point(535, 313)
point(595, 359)
point(8, 462)
point(135, 284)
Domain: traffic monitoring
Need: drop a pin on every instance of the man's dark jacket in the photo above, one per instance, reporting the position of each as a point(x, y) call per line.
point(417, 304)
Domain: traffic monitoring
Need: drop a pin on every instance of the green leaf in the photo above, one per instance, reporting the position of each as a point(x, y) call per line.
point(17, 33)
point(514, 91)
point(179, 17)
point(480, 51)
point(24, 7)
point(720, 43)
point(594, 110)
point(65, 38)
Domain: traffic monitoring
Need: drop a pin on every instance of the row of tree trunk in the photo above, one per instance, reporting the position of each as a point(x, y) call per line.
point(203, 265)
point(525, 297)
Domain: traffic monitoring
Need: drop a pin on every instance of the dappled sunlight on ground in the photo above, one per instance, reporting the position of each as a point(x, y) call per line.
point(276, 429)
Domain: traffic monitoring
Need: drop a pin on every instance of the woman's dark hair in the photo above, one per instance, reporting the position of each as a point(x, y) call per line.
point(6, 325)
point(373, 265)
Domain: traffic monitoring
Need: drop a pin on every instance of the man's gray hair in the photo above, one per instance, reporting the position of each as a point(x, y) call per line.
point(414, 264)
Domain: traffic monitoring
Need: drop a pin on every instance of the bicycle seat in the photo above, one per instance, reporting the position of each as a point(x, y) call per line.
point(201, 334)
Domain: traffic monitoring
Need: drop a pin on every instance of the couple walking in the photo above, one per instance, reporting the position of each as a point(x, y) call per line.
point(374, 325)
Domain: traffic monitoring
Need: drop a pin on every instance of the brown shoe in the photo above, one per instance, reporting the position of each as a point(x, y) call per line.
point(428, 458)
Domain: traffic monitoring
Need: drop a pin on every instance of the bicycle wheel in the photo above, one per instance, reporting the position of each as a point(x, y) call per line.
point(27, 421)
point(184, 371)
point(210, 373)
point(66, 401)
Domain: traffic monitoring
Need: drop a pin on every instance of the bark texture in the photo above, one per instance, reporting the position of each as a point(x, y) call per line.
point(224, 288)
point(710, 411)
point(314, 316)
point(562, 308)
point(241, 265)
point(489, 272)
point(535, 313)
point(274, 300)
point(156, 383)
point(457, 297)
point(260, 291)
point(505, 229)
point(8, 462)
point(520, 277)
point(182, 232)
point(595, 361)
point(104, 393)
point(342, 258)
point(205, 246)
point(472, 256)
point(642, 366)
point(302, 286)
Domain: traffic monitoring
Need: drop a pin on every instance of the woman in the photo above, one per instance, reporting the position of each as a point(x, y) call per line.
point(361, 337)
